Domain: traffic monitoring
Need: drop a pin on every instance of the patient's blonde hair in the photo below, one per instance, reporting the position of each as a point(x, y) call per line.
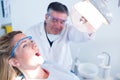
point(7, 72)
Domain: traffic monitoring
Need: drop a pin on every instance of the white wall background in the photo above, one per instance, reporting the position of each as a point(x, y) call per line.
point(0, 20)
point(7, 18)
point(28, 12)
point(0, 14)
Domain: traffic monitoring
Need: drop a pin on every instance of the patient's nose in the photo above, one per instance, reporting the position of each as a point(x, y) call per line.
point(34, 46)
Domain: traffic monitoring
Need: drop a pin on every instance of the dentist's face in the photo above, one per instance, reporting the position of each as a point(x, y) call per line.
point(55, 22)
point(26, 53)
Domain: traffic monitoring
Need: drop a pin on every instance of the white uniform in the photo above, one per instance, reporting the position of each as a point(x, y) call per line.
point(59, 52)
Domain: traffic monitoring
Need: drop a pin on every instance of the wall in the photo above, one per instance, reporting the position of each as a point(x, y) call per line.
point(1, 30)
point(7, 16)
point(28, 12)
point(6, 20)
point(0, 13)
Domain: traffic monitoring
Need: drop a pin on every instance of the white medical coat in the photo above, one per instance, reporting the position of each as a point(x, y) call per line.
point(59, 52)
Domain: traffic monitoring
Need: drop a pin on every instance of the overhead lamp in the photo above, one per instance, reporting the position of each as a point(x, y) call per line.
point(94, 11)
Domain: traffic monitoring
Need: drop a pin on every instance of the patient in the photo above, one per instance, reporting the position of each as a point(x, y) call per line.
point(20, 55)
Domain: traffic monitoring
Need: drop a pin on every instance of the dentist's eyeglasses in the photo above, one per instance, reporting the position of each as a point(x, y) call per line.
point(17, 44)
point(54, 19)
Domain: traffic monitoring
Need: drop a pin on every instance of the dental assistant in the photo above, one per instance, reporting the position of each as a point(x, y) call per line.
point(54, 34)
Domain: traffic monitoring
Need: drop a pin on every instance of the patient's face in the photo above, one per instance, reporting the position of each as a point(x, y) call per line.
point(26, 53)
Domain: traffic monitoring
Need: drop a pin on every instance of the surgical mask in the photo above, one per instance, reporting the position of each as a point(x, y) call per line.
point(53, 37)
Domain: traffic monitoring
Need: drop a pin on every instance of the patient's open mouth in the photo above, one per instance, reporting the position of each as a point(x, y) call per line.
point(37, 54)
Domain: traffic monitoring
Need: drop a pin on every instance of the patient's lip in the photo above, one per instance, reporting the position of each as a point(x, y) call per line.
point(37, 54)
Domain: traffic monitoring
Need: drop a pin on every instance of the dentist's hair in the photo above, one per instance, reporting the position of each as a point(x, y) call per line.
point(57, 6)
point(7, 72)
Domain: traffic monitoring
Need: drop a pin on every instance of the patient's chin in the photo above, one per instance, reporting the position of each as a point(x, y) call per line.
point(41, 60)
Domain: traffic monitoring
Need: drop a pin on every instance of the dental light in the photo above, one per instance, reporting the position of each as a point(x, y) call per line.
point(94, 11)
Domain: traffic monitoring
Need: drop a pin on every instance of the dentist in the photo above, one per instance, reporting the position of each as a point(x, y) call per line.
point(54, 34)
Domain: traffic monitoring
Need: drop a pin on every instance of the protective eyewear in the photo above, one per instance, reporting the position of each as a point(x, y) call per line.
point(17, 44)
point(54, 19)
